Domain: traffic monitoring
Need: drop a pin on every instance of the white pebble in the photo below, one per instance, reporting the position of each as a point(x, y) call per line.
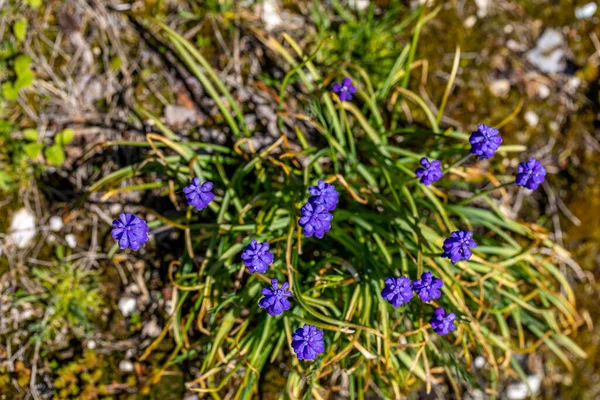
point(56, 223)
point(532, 119)
point(543, 91)
point(586, 11)
point(91, 345)
point(127, 305)
point(22, 228)
point(479, 362)
point(470, 21)
point(126, 366)
point(71, 240)
point(500, 87)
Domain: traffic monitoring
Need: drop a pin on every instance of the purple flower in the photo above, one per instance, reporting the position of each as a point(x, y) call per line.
point(324, 193)
point(430, 172)
point(485, 141)
point(275, 299)
point(428, 287)
point(397, 291)
point(458, 246)
point(130, 231)
point(308, 342)
point(344, 89)
point(198, 195)
point(315, 220)
point(531, 174)
point(443, 323)
point(257, 256)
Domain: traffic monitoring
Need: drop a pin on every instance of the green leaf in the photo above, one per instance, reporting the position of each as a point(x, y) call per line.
point(25, 79)
point(9, 91)
point(33, 150)
point(22, 63)
point(30, 134)
point(33, 3)
point(20, 29)
point(64, 137)
point(55, 154)
point(115, 63)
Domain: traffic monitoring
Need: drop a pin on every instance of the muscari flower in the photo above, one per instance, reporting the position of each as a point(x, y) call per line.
point(130, 231)
point(531, 174)
point(324, 193)
point(458, 246)
point(308, 342)
point(430, 172)
point(257, 257)
point(485, 141)
point(442, 322)
point(275, 300)
point(199, 195)
point(315, 220)
point(428, 287)
point(397, 291)
point(344, 89)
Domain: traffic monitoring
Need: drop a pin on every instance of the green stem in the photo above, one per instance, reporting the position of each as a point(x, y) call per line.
point(483, 193)
point(459, 162)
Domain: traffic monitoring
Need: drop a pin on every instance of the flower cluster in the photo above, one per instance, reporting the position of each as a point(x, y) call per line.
point(344, 89)
point(275, 300)
point(485, 141)
point(308, 342)
point(199, 195)
point(531, 174)
point(399, 290)
point(315, 214)
point(430, 172)
point(132, 231)
point(257, 257)
point(458, 246)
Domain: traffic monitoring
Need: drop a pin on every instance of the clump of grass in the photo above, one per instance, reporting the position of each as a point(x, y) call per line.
point(510, 298)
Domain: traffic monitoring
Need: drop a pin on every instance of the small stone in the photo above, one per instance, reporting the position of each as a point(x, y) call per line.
point(516, 391)
point(127, 305)
point(177, 115)
point(470, 21)
point(549, 52)
point(531, 118)
point(270, 15)
point(115, 208)
point(483, 7)
point(151, 329)
point(22, 228)
point(543, 91)
point(586, 11)
point(515, 46)
point(500, 87)
point(359, 5)
point(71, 240)
point(535, 382)
point(91, 345)
point(126, 366)
point(479, 362)
point(56, 223)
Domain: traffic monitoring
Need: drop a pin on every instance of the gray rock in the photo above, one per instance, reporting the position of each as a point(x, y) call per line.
point(22, 228)
point(549, 53)
point(127, 305)
point(177, 115)
point(126, 366)
point(586, 11)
